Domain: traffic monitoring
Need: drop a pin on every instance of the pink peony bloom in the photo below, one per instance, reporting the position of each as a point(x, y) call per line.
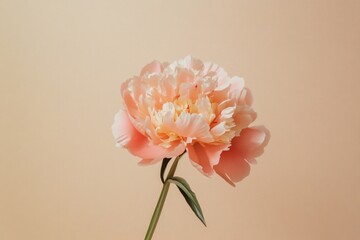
point(194, 106)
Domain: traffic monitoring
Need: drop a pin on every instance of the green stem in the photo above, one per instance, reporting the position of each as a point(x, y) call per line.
point(161, 201)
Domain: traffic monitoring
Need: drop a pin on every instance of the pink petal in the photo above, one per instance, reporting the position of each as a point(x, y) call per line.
point(219, 129)
point(205, 157)
point(168, 88)
point(234, 164)
point(193, 126)
point(244, 117)
point(126, 135)
point(232, 167)
point(246, 97)
point(185, 76)
point(122, 129)
point(219, 71)
point(251, 142)
point(130, 104)
point(189, 63)
point(236, 86)
point(153, 67)
point(171, 152)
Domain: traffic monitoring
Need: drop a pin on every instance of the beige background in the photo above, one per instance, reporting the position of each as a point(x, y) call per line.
point(61, 64)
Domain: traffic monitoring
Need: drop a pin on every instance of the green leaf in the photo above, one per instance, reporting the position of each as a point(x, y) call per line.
point(163, 168)
point(189, 196)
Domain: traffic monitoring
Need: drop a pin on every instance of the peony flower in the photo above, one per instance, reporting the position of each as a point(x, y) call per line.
point(193, 106)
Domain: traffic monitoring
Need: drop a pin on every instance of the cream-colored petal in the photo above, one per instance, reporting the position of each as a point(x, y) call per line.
point(193, 126)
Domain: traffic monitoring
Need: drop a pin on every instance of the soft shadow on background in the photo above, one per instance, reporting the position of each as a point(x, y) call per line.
point(61, 65)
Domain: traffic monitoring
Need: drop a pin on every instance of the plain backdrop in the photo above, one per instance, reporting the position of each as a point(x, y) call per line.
point(61, 65)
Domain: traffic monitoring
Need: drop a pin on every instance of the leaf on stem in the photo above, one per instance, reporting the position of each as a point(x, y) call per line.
point(163, 168)
point(189, 196)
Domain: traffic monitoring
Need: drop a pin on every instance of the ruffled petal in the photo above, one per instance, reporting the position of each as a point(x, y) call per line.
point(245, 97)
point(153, 67)
point(193, 126)
point(126, 135)
point(232, 167)
point(214, 69)
point(205, 157)
point(251, 142)
point(171, 152)
point(234, 164)
point(122, 129)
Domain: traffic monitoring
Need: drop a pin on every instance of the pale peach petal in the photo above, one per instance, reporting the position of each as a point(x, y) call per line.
point(205, 157)
point(233, 165)
point(220, 95)
point(189, 63)
point(171, 152)
point(142, 148)
point(143, 106)
point(227, 113)
point(122, 129)
point(153, 67)
point(196, 64)
point(193, 126)
point(251, 142)
point(169, 122)
point(225, 104)
point(214, 152)
point(236, 86)
point(127, 136)
point(236, 83)
point(219, 72)
point(130, 104)
point(184, 90)
point(203, 107)
point(207, 85)
point(246, 97)
point(150, 132)
point(243, 117)
point(168, 88)
point(219, 129)
point(154, 153)
point(185, 76)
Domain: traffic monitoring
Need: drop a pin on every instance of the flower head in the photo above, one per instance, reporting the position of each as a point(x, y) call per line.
point(194, 106)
